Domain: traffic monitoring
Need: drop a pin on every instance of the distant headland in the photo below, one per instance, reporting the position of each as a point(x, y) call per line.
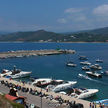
point(96, 35)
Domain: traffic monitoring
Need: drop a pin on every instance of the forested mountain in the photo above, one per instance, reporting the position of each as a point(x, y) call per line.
point(96, 35)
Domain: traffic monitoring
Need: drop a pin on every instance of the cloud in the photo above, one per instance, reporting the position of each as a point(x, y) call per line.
point(77, 17)
point(72, 15)
point(73, 10)
point(62, 20)
point(101, 10)
point(81, 18)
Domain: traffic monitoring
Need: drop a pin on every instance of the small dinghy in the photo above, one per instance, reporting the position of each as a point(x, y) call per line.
point(71, 64)
point(105, 73)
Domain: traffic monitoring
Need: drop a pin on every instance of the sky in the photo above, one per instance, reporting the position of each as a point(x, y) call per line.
point(53, 15)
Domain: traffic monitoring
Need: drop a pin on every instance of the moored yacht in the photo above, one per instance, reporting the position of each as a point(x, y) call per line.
point(85, 68)
point(20, 74)
point(83, 58)
point(15, 73)
point(64, 86)
point(105, 73)
point(41, 82)
point(96, 67)
point(5, 72)
point(99, 61)
point(82, 93)
point(85, 63)
point(94, 74)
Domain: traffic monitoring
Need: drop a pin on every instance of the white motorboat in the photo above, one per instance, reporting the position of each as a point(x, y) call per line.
point(71, 64)
point(42, 82)
point(85, 63)
point(105, 73)
point(64, 86)
point(83, 93)
point(5, 72)
point(85, 68)
point(83, 76)
point(62, 92)
point(15, 73)
point(96, 67)
point(94, 74)
point(99, 61)
point(20, 74)
point(83, 58)
point(56, 82)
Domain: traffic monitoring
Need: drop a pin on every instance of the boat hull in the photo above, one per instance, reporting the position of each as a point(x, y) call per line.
point(64, 86)
point(94, 75)
point(21, 75)
point(71, 64)
point(90, 93)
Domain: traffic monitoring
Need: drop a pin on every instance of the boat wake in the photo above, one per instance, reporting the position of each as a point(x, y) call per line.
point(88, 78)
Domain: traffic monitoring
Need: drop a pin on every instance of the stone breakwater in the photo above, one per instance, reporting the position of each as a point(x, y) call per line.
point(27, 53)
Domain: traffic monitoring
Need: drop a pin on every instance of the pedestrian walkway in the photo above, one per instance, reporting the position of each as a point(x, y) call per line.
point(36, 99)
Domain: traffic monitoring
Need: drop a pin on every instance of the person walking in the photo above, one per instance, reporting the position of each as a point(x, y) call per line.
point(90, 105)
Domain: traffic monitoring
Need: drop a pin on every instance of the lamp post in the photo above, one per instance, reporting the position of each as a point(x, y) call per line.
point(39, 83)
point(41, 97)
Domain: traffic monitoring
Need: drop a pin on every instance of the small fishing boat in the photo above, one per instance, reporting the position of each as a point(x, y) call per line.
point(85, 63)
point(96, 67)
point(105, 73)
point(71, 64)
point(99, 61)
point(83, 58)
point(85, 68)
point(94, 74)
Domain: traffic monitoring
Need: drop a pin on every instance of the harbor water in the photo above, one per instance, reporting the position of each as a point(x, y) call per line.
point(54, 66)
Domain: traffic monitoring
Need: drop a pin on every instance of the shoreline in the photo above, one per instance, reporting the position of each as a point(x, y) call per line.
point(64, 97)
point(48, 42)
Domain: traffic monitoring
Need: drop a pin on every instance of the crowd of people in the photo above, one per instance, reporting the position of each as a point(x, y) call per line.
point(59, 100)
point(94, 105)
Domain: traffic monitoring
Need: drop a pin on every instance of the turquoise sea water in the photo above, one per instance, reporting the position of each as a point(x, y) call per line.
point(53, 66)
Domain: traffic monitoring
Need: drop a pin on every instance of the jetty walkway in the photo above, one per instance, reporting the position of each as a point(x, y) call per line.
point(36, 100)
point(27, 53)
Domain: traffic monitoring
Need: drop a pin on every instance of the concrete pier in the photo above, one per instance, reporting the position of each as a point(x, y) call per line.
point(65, 97)
point(27, 53)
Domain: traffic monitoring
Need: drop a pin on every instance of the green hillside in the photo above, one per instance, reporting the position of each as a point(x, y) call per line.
point(96, 35)
point(39, 35)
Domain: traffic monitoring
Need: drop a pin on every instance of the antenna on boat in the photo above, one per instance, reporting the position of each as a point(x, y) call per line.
point(14, 68)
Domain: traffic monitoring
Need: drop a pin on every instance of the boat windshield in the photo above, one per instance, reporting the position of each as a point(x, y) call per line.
point(77, 91)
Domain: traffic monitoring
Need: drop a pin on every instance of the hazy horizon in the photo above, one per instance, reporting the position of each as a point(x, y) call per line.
point(53, 15)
